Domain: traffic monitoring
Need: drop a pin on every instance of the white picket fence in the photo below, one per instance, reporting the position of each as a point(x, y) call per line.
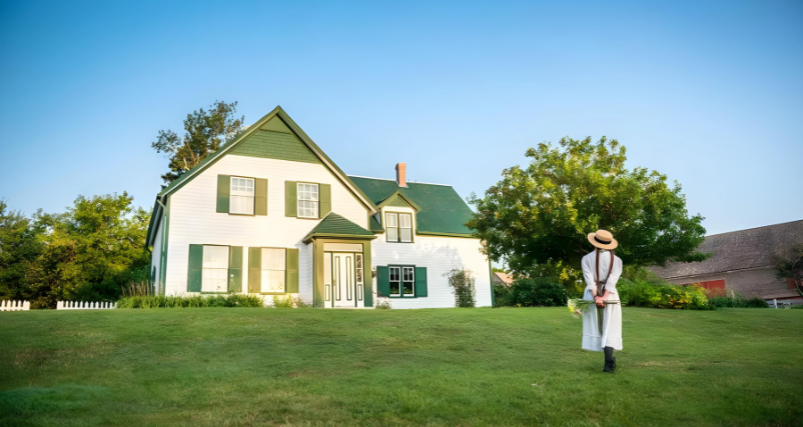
point(774, 303)
point(9, 305)
point(84, 305)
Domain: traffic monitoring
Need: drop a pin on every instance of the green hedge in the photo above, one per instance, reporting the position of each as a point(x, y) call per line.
point(538, 292)
point(657, 295)
point(738, 301)
point(182, 301)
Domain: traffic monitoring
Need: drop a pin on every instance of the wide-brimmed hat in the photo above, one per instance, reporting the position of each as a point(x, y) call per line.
point(603, 239)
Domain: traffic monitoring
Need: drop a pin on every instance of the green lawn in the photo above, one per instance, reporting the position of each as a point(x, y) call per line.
point(223, 366)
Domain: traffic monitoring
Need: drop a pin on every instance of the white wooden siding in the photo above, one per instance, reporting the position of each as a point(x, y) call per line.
point(438, 255)
point(194, 220)
point(305, 274)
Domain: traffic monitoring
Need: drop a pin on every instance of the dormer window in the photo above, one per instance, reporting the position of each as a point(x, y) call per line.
point(399, 227)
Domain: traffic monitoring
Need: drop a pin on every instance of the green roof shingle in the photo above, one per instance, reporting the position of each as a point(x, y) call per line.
point(335, 225)
point(442, 210)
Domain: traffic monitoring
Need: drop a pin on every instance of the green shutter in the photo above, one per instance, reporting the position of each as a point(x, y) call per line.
point(325, 197)
point(383, 281)
point(195, 270)
point(290, 198)
point(420, 281)
point(254, 270)
point(261, 196)
point(236, 269)
point(223, 191)
point(291, 271)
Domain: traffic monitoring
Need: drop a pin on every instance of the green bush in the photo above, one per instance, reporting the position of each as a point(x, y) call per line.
point(288, 302)
point(462, 284)
point(656, 295)
point(538, 292)
point(184, 301)
point(501, 293)
point(734, 300)
point(797, 306)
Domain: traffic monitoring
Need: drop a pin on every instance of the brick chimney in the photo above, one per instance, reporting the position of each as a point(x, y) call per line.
point(401, 174)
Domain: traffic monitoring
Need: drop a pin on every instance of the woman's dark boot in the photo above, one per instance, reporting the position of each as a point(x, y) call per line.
point(610, 361)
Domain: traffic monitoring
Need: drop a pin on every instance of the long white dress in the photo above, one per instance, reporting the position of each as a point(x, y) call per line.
point(611, 334)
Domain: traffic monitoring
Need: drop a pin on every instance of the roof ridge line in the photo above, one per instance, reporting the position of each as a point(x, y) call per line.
point(754, 228)
point(409, 182)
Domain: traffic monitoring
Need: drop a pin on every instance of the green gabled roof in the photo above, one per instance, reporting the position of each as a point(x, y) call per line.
point(334, 225)
point(441, 209)
point(289, 124)
point(398, 199)
point(263, 124)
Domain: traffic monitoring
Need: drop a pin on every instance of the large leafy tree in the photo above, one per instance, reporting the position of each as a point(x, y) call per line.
point(84, 254)
point(789, 265)
point(540, 215)
point(205, 132)
point(19, 249)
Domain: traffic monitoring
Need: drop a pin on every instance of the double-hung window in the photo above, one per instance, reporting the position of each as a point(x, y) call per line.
point(273, 270)
point(215, 268)
point(307, 200)
point(242, 196)
point(399, 227)
point(402, 281)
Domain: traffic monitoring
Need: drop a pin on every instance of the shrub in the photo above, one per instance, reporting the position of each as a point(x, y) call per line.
point(501, 293)
point(735, 300)
point(646, 294)
point(797, 307)
point(540, 291)
point(462, 284)
point(183, 301)
point(288, 302)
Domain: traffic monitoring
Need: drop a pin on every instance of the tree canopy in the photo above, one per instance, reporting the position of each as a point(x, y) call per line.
point(205, 132)
point(84, 254)
point(788, 264)
point(541, 214)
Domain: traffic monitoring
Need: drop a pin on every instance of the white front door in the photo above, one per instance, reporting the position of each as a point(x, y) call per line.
point(342, 279)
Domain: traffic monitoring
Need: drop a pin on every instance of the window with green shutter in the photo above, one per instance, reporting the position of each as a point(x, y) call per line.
point(272, 271)
point(402, 281)
point(209, 268)
point(238, 195)
point(307, 199)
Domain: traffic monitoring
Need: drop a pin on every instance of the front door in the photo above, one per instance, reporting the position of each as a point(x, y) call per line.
point(341, 279)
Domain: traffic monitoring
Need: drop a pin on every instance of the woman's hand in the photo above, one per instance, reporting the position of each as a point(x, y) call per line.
point(599, 301)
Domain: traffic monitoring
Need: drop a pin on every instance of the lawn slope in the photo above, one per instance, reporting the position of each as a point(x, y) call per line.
point(524, 366)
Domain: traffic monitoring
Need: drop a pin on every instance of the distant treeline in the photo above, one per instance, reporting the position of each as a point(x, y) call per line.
point(87, 253)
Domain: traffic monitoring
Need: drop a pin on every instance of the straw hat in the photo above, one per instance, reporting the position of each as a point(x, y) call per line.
point(603, 239)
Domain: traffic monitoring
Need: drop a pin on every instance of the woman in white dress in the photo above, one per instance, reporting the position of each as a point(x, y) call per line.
point(602, 328)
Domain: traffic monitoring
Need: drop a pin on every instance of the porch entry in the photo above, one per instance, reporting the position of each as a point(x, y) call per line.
point(343, 275)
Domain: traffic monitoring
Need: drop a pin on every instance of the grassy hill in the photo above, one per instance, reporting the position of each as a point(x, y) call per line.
point(383, 367)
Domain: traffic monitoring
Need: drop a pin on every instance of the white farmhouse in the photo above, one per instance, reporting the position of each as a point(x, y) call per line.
point(270, 213)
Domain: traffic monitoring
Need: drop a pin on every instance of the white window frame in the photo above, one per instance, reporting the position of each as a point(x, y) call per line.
point(391, 281)
point(266, 272)
point(238, 188)
point(314, 200)
point(395, 227)
point(402, 269)
point(207, 271)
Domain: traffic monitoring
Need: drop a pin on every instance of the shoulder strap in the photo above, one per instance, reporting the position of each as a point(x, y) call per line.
point(596, 278)
point(600, 289)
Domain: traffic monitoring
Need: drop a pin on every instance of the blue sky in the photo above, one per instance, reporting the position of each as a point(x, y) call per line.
point(708, 93)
